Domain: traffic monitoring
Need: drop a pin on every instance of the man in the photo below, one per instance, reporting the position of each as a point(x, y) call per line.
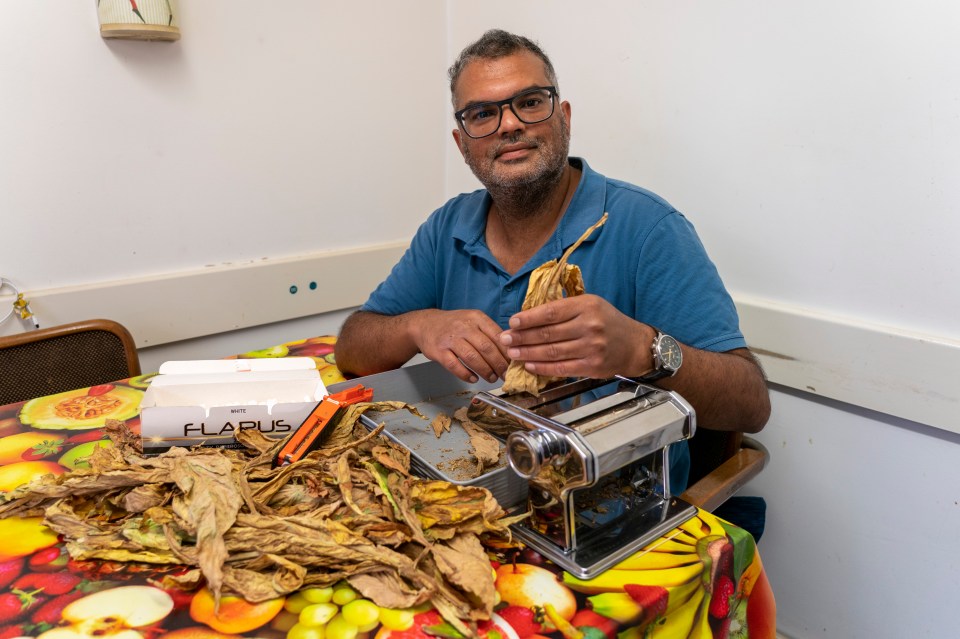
point(456, 294)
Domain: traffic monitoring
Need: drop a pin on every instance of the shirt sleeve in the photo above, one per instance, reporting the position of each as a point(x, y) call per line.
point(679, 289)
point(411, 284)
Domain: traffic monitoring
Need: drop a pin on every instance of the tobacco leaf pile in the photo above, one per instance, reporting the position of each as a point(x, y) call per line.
point(548, 282)
point(348, 510)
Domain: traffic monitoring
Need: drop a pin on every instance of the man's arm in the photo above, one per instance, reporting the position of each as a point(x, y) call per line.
point(585, 336)
point(728, 390)
point(464, 342)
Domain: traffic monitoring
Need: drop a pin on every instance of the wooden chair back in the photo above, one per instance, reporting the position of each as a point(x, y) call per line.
point(61, 358)
point(721, 463)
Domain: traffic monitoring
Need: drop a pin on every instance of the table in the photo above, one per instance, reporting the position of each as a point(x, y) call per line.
point(702, 579)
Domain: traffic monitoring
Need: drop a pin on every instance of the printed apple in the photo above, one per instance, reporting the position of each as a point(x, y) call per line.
point(79, 455)
point(527, 585)
point(113, 614)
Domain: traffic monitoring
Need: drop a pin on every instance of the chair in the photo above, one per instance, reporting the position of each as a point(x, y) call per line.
point(61, 358)
point(722, 462)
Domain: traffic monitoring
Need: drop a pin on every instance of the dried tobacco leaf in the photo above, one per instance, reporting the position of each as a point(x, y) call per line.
point(485, 447)
point(548, 282)
point(348, 510)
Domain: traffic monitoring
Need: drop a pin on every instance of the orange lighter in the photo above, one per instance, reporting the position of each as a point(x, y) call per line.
point(328, 411)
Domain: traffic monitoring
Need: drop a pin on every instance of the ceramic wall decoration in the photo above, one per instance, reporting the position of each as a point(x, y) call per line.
point(139, 19)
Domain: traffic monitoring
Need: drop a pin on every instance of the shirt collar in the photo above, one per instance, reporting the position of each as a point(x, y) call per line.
point(584, 209)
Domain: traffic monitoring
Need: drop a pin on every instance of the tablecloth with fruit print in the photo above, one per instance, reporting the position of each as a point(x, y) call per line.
point(702, 579)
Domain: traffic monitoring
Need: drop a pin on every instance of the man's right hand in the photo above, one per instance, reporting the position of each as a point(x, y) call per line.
point(465, 342)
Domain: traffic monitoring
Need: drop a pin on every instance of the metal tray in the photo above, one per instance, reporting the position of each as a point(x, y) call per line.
point(433, 390)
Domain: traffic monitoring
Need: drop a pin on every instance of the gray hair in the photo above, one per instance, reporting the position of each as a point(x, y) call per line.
point(497, 43)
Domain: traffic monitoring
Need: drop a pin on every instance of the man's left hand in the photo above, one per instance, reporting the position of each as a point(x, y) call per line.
point(581, 336)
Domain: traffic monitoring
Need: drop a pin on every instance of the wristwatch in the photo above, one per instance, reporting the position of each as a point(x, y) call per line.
point(667, 358)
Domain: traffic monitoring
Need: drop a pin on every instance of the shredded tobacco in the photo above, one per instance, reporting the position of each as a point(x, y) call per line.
point(348, 510)
point(548, 282)
point(484, 446)
point(440, 424)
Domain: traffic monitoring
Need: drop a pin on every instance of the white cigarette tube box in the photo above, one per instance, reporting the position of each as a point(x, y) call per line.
point(206, 402)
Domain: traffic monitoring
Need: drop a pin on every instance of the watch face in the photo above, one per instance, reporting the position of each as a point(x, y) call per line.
point(670, 354)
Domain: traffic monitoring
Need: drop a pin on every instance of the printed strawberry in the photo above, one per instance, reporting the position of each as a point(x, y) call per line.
point(51, 612)
point(12, 631)
point(48, 559)
point(16, 604)
point(43, 449)
point(653, 600)
point(586, 621)
point(56, 583)
point(525, 621)
point(720, 599)
point(10, 570)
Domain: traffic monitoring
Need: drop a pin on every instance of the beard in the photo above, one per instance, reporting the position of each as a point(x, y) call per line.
point(524, 190)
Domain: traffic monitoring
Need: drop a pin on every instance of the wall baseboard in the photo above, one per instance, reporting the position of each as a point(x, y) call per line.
point(886, 369)
point(173, 307)
point(882, 368)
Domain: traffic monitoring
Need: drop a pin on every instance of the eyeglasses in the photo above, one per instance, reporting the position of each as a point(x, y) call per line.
point(530, 107)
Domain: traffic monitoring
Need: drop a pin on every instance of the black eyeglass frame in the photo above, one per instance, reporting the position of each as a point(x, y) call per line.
point(552, 91)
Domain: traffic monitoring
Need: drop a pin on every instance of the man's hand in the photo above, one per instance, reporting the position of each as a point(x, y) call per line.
point(581, 336)
point(464, 342)
point(584, 336)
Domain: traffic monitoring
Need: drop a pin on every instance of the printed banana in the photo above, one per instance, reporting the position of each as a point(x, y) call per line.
point(618, 606)
point(711, 520)
point(651, 560)
point(702, 525)
point(614, 580)
point(701, 624)
point(679, 623)
point(684, 537)
point(670, 545)
point(623, 609)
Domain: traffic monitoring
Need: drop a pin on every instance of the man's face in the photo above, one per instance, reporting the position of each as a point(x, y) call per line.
point(517, 154)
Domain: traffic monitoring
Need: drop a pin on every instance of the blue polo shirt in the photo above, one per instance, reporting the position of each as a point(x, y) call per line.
point(646, 260)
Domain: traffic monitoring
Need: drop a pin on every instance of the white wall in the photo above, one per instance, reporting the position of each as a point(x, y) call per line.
point(814, 146)
point(270, 133)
